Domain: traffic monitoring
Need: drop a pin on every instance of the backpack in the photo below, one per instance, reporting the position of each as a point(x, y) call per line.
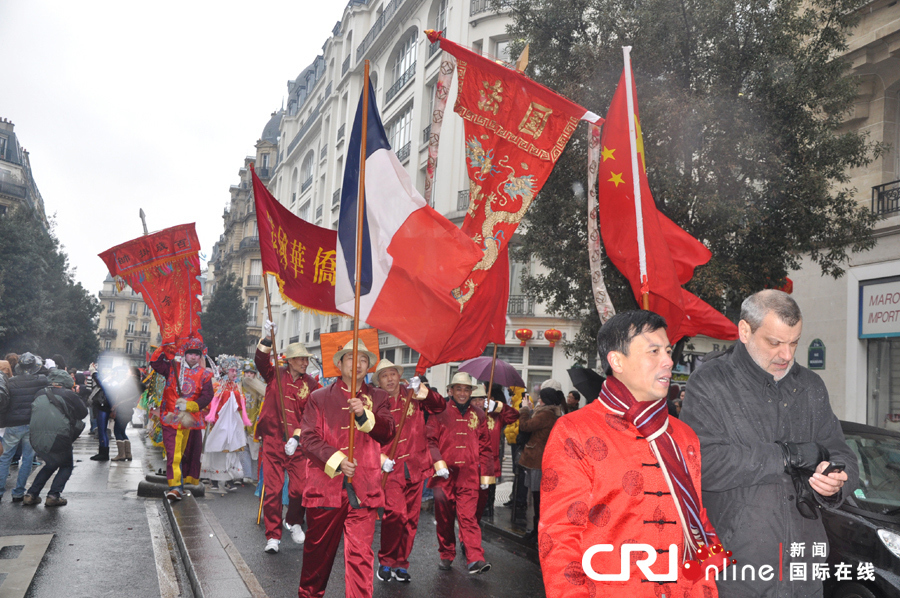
point(51, 428)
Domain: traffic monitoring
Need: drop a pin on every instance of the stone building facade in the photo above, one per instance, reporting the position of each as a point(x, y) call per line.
point(127, 328)
point(17, 186)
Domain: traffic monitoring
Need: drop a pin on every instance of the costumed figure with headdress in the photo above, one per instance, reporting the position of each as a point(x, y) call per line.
point(279, 454)
point(188, 392)
point(226, 439)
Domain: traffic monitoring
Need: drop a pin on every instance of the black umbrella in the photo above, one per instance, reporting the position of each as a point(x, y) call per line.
point(587, 381)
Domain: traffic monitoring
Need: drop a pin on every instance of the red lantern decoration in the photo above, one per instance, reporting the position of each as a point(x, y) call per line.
point(553, 335)
point(524, 334)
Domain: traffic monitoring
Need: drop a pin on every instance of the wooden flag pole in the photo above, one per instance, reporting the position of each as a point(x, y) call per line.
point(360, 213)
point(636, 179)
point(396, 442)
point(262, 496)
point(493, 363)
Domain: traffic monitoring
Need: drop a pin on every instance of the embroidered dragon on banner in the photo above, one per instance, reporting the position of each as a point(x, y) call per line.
point(515, 187)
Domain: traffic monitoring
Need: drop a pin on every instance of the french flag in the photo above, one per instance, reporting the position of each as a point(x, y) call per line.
point(412, 257)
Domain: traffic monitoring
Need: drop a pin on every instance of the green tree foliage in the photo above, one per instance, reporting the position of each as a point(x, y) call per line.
point(224, 323)
point(42, 309)
point(741, 106)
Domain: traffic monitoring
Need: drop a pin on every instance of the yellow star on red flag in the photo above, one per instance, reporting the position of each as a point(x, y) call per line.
point(616, 179)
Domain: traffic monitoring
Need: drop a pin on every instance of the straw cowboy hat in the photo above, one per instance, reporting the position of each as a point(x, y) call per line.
point(463, 379)
point(296, 350)
point(479, 392)
point(348, 348)
point(383, 365)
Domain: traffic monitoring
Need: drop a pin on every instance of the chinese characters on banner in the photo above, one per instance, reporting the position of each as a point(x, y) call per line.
point(163, 268)
point(515, 130)
point(300, 255)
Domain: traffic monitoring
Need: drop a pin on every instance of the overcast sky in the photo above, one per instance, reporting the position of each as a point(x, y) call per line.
point(153, 105)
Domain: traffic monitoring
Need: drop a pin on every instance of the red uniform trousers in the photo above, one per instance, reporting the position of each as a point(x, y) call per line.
point(457, 503)
point(483, 497)
point(183, 450)
point(324, 528)
point(403, 504)
point(275, 463)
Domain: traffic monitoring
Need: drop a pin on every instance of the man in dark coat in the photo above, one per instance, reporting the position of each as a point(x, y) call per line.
point(61, 460)
point(767, 433)
point(22, 389)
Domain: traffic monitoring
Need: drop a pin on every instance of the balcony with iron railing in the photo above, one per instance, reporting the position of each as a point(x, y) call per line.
point(340, 133)
point(306, 185)
point(109, 333)
point(405, 78)
point(336, 198)
point(324, 152)
point(254, 280)
point(319, 212)
point(462, 200)
point(433, 48)
point(345, 66)
point(886, 199)
point(403, 152)
point(143, 333)
point(520, 305)
point(389, 11)
point(263, 172)
point(426, 134)
point(316, 335)
point(249, 243)
point(481, 6)
point(294, 339)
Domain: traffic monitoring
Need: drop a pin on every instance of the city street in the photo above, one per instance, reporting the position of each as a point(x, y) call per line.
point(109, 542)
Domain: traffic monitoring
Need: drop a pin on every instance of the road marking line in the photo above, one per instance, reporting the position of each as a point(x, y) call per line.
point(243, 569)
point(20, 571)
point(165, 570)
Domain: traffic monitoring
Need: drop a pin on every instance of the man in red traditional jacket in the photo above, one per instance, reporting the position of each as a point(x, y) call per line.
point(187, 392)
point(277, 456)
point(342, 495)
point(460, 447)
point(621, 471)
point(407, 471)
point(499, 415)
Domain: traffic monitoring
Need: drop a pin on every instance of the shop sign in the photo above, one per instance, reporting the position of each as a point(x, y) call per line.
point(879, 309)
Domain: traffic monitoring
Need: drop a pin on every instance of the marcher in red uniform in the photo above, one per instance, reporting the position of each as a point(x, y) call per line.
point(499, 415)
point(334, 506)
point(277, 456)
point(460, 447)
point(187, 392)
point(620, 470)
point(408, 470)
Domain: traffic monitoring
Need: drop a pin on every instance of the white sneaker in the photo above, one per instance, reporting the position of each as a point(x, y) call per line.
point(272, 545)
point(297, 534)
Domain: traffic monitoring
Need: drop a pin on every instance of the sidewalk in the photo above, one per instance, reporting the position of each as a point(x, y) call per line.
point(502, 524)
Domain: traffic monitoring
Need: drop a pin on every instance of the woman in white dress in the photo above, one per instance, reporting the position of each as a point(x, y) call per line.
point(226, 438)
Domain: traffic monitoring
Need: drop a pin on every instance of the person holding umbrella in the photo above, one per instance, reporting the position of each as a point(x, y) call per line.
point(460, 446)
point(343, 490)
point(406, 466)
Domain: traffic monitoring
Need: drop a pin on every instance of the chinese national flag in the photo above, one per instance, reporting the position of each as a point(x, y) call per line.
point(300, 255)
point(515, 130)
point(671, 253)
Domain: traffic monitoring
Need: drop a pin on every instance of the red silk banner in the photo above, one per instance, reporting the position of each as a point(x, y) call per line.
point(300, 255)
point(515, 130)
point(163, 268)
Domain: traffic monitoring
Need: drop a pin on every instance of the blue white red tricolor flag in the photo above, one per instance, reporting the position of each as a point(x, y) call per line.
point(412, 256)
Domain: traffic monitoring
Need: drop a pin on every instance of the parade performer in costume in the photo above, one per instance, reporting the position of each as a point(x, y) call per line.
point(254, 390)
point(226, 439)
point(460, 447)
point(620, 470)
point(188, 391)
point(406, 472)
point(499, 415)
point(342, 497)
point(279, 457)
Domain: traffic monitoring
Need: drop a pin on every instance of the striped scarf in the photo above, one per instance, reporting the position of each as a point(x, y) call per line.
point(652, 420)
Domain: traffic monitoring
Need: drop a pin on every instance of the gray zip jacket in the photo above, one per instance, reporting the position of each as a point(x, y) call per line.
point(738, 411)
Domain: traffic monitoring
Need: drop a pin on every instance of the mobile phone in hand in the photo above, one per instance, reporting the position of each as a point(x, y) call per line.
point(834, 466)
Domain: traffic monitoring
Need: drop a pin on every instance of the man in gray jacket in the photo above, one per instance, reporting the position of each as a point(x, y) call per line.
point(767, 433)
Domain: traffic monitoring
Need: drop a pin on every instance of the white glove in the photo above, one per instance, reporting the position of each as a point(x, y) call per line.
point(483, 486)
point(268, 328)
point(290, 447)
point(491, 405)
point(387, 466)
point(415, 383)
point(181, 404)
point(443, 472)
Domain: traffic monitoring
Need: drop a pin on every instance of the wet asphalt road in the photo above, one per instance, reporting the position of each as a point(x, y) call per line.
point(512, 576)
